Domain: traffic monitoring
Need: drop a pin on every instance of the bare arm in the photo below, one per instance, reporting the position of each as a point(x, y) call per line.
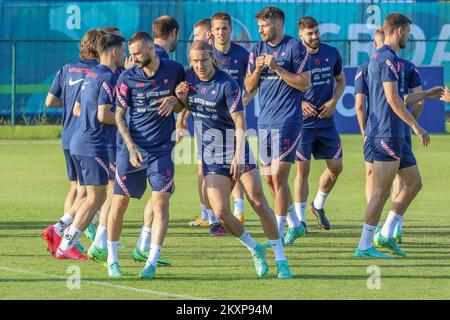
point(105, 115)
point(360, 104)
point(239, 156)
point(301, 81)
point(329, 107)
point(252, 80)
point(398, 106)
point(248, 97)
point(76, 109)
point(418, 106)
point(52, 101)
point(135, 155)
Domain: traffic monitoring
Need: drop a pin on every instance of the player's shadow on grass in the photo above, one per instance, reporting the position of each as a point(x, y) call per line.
point(24, 225)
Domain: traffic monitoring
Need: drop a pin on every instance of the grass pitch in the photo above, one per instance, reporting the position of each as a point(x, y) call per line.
point(34, 186)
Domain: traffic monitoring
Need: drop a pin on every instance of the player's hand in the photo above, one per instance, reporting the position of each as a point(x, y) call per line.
point(167, 105)
point(308, 109)
point(423, 135)
point(128, 62)
point(328, 109)
point(270, 61)
point(260, 63)
point(435, 92)
point(445, 95)
point(136, 157)
point(236, 168)
point(182, 91)
point(181, 130)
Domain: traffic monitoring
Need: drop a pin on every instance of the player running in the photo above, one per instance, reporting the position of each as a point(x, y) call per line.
point(65, 88)
point(385, 134)
point(146, 94)
point(214, 98)
point(233, 59)
point(165, 30)
point(319, 136)
point(88, 146)
point(411, 82)
point(278, 67)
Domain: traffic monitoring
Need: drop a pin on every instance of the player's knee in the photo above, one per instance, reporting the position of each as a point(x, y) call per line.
point(336, 169)
point(221, 214)
point(380, 195)
point(160, 206)
point(258, 202)
point(416, 185)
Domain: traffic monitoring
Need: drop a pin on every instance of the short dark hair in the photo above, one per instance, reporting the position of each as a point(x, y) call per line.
point(110, 29)
point(222, 16)
point(88, 45)
point(140, 36)
point(163, 26)
point(109, 40)
point(307, 23)
point(393, 21)
point(206, 23)
point(269, 13)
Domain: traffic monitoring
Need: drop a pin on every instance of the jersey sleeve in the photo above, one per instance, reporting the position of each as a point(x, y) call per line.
point(300, 58)
point(415, 79)
point(106, 92)
point(337, 70)
point(180, 74)
point(360, 82)
point(233, 96)
point(389, 71)
point(123, 92)
point(56, 88)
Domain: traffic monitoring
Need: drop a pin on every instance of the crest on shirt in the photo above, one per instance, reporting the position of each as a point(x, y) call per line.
point(317, 62)
point(203, 90)
point(166, 81)
point(224, 61)
point(154, 83)
point(213, 92)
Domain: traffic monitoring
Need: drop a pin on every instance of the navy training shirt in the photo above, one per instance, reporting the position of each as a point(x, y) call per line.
point(89, 139)
point(234, 62)
point(384, 66)
point(212, 103)
point(139, 95)
point(67, 86)
point(279, 102)
point(325, 64)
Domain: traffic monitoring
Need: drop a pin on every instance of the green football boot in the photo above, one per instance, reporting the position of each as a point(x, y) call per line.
point(371, 253)
point(294, 233)
point(148, 272)
point(90, 232)
point(114, 270)
point(258, 254)
point(398, 234)
point(98, 255)
point(142, 256)
point(283, 271)
point(391, 244)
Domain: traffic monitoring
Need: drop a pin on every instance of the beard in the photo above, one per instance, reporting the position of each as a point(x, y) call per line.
point(145, 62)
point(311, 45)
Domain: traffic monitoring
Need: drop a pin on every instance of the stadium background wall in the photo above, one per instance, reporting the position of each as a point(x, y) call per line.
point(38, 37)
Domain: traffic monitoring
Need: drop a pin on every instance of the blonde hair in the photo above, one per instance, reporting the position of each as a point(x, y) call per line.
point(200, 45)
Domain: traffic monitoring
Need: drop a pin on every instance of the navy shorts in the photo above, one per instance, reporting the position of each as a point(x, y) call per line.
point(70, 166)
point(383, 149)
point(223, 165)
point(91, 171)
point(278, 143)
point(158, 168)
point(408, 159)
point(322, 143)
point(112, 163)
